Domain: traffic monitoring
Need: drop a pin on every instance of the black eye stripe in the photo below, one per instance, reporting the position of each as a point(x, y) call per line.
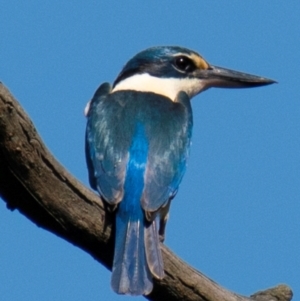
point(184, 64)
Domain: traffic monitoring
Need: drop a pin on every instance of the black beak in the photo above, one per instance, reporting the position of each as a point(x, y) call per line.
point(225, 78)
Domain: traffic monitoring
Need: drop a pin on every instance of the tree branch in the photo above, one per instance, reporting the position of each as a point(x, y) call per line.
point(67, 208)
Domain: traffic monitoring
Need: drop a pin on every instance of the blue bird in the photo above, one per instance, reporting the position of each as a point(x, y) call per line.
point(138, 138)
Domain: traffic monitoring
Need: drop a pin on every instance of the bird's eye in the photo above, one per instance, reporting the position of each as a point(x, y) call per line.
point(184, 63)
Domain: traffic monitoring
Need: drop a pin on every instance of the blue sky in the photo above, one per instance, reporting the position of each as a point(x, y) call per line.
point(236, 216)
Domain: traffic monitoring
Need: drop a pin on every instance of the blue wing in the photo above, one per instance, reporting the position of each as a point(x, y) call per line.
point(170, 139)
point(107, 145)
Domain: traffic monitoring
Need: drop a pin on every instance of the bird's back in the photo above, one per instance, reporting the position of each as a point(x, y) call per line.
point(113, 119)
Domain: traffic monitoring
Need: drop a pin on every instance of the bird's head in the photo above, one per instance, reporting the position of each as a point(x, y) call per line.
point(167, 70)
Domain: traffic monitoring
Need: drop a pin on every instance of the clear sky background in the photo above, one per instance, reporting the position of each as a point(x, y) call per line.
point(236, 216)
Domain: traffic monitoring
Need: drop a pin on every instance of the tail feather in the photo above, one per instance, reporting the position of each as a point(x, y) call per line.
point(130, 274)
point(153, 252)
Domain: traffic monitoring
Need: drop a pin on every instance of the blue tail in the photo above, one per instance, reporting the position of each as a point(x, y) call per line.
point(130, 274)
point(134, 266)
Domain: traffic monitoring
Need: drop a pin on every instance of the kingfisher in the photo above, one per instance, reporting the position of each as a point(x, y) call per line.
point(138, 138)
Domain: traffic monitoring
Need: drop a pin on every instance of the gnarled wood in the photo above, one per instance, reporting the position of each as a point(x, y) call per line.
point(67, 208)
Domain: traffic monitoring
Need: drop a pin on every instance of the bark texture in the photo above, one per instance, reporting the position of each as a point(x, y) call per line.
point(70, 210)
